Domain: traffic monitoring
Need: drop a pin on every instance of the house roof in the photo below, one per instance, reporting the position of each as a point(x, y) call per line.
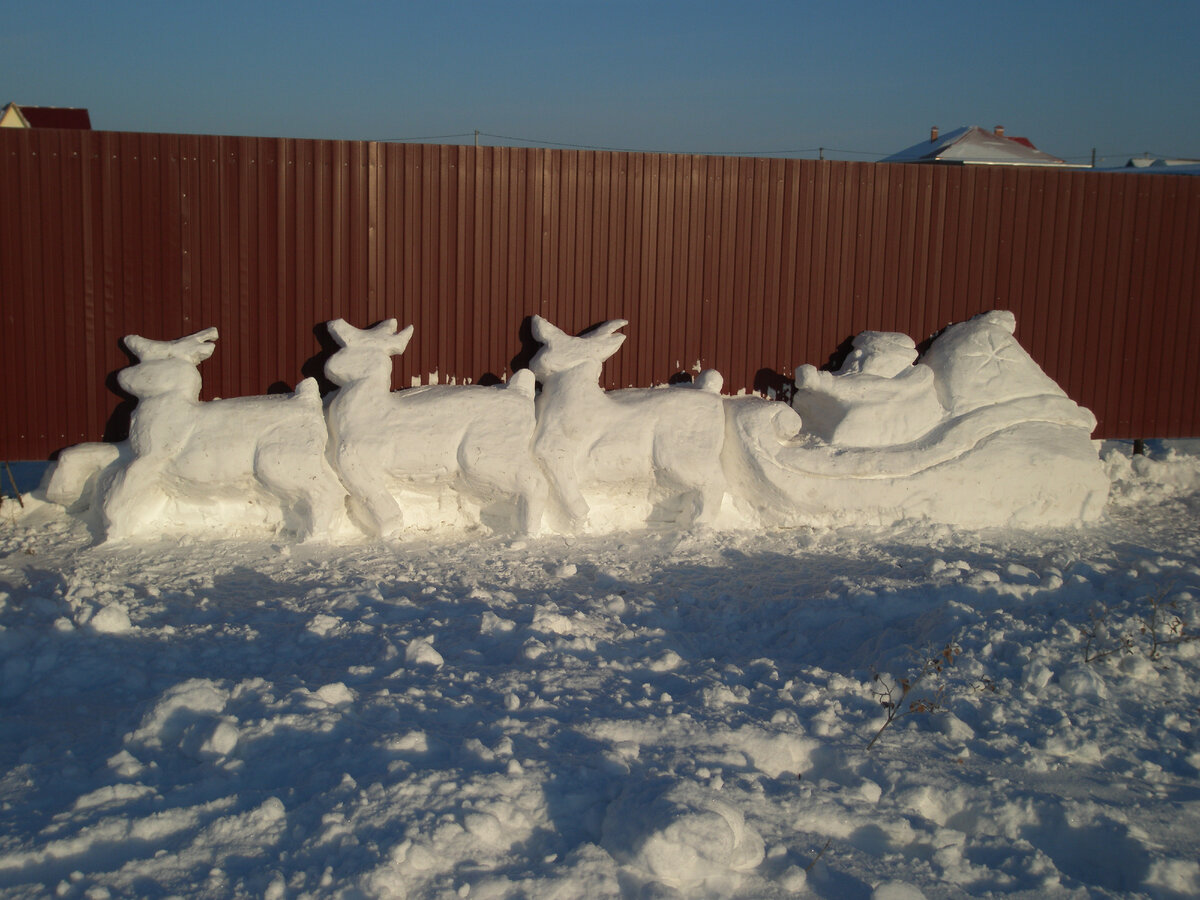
point(972, 145)
point(52, 116)
point(1160, 166)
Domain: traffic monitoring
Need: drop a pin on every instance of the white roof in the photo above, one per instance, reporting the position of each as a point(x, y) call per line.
point(972, 145)
point(1163, 166)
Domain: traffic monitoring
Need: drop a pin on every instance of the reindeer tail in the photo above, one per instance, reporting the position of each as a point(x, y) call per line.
point(308, 391)
point(523, 382)
point(710, 380)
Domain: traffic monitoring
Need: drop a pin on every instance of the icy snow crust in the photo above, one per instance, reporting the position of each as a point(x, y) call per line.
point(662, 713)
point(973, 433)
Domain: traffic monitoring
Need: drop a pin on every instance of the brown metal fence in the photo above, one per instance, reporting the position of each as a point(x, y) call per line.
point(751, 266)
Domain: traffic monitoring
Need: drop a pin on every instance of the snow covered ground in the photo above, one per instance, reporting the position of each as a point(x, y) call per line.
point(646, 715)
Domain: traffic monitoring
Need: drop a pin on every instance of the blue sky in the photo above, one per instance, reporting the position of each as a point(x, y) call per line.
point(707, 77)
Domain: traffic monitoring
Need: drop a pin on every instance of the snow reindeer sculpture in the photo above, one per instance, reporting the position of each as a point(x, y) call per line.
point(243, 448)
point(470, 438)
point(665, 440)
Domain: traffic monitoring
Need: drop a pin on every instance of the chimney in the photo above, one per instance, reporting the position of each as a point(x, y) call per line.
point(999, 131)
point(933, 133)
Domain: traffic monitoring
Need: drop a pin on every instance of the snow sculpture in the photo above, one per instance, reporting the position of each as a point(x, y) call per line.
point(979, 363)
point(188, 458)
point(1002, 445)
point(470, 440)
point(973, 433)
point(876, 399)
point(656, 450)
point(80, 471)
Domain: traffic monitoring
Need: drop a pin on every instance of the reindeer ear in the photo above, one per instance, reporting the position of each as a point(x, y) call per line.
point(611, 343)
point(195, 348)
point(138, 346)
point(197, 353)
point(387, 338)
point(341, 331)
point(543, 330)
point(399, 343)
point(384, 329)
point(608, 328)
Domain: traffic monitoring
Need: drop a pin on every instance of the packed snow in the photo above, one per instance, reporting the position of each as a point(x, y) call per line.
point(502, 642)
point(661, 712)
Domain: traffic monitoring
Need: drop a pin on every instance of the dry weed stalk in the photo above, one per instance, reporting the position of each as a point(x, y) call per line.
point(1159, 624)
point(1095, 637)
point(893, 696)
point(1163, 625)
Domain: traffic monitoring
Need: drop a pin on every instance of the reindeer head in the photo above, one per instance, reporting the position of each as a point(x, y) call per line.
point(561, 352)
point(365, 354)
point(167, 367)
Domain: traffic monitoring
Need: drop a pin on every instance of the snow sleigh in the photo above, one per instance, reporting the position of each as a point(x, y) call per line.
point(974, 434)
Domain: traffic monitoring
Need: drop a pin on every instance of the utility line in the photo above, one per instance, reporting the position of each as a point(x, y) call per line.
point(428, 137)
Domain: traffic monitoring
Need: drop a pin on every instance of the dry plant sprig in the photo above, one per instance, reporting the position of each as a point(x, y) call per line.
point(1163, 625)
point(1095, 638)
point(1159, 623)
point(893, 696)
point(817, 858)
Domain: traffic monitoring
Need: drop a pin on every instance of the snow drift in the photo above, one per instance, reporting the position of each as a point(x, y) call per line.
point(973, 433)
point(670, 714)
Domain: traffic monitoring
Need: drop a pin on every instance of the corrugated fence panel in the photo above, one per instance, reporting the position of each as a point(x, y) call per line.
point(751, 266)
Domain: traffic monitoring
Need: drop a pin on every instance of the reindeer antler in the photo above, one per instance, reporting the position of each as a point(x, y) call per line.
point(194, 348)
point(608, 327)
point(545, 331)
point(383, 336)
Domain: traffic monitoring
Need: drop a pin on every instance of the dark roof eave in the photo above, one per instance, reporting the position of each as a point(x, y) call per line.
point(989, 162)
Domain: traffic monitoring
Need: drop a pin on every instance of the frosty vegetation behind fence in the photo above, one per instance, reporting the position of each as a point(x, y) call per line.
point(973, 433)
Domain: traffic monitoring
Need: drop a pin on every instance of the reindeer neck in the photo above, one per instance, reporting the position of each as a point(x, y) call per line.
point(581, 380)
point(165, 401)
point(363, 391)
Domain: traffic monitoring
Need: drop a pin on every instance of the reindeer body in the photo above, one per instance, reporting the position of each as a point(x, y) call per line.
point(186, 449)
point(666, 440)
point(473, 438)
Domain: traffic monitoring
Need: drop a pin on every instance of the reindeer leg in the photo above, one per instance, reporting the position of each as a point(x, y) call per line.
point(708, 502)
point(327, 501)
point(532, 503)
point(701, 489)
point(135, 498)
point(307, 486)
point(370, 496)
point(564, 484)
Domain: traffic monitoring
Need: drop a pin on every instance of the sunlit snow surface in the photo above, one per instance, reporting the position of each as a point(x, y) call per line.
point(652, 714)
